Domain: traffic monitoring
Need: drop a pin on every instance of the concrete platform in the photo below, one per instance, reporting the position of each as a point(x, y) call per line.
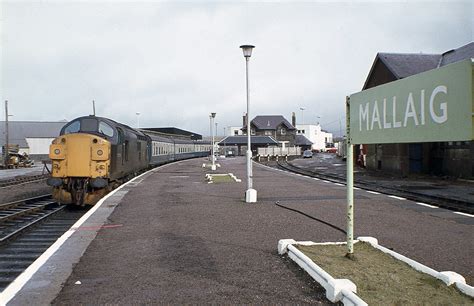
point(170, 237)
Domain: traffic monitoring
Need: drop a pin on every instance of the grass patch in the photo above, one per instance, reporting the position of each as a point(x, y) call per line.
point(382, 279)
point(222, 178)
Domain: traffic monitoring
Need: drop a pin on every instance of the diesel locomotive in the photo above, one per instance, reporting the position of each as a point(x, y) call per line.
point(93, 155)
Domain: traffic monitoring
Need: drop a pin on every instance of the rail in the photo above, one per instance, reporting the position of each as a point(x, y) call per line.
point(444, 202)
point(23, 180)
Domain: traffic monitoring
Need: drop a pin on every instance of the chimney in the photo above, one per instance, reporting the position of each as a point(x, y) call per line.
point(293, 119)
point(244, 120)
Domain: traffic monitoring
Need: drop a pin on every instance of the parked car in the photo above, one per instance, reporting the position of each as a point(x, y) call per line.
point(331, 150)
point(307, 154)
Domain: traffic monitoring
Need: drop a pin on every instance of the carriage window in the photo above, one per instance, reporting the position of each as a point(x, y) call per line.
point(74, 127)
point(106, 129)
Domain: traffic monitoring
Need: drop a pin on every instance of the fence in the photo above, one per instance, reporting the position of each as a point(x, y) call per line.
point(277, 151)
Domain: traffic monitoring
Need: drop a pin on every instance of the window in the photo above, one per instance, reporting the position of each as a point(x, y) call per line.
point(236, 132)
point(120, 135)
point(252, 131)
point(282, 131)
point(139, 149)
point(106, 129)
point(73, 127)
point(268, 133)
point(89, 125)
point(126, 150)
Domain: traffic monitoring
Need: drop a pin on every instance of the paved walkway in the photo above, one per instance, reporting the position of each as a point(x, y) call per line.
point(174, 239)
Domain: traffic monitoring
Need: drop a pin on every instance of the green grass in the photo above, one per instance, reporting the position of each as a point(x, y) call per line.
point(222, 178)
point(382, 279)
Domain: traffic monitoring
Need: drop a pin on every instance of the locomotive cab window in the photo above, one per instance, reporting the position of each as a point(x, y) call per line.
point(73, 127)
point(89, 125)
point(106, 129)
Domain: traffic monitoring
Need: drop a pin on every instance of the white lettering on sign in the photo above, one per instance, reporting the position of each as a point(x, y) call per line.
point(443, 106)
point(370, 119)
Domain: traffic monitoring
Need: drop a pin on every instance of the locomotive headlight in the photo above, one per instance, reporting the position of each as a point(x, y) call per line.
point(57, 151)
point(100, 152)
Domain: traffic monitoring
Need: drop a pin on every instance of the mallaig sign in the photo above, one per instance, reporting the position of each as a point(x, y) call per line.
point(436, 105)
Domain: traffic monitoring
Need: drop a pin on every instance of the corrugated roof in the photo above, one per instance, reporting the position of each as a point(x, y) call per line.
point(301, 140)
point(270, 122)
point(19, 130)
point(242, 140)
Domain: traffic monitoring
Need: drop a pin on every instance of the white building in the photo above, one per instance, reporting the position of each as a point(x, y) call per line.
point(316, 135)
point(233, 131)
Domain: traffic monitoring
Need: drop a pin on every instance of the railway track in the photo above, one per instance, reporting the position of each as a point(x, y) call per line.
point(22, 180)
point(27, 229)
point(452, 204)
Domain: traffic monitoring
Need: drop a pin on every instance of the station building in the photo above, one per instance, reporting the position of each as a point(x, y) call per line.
point(455, 159)
point(275, 126)
point(32, 137)
point(272, 132)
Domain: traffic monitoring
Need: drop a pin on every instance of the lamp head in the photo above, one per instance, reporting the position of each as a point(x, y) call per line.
point(247, 49)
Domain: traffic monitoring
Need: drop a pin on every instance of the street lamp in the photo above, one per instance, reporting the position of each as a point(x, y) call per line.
point(216, 140)
point(302, 109)
point(250, 194)
point(211, 117)
point(225, 136)
point(138, 119)
point(7, 145)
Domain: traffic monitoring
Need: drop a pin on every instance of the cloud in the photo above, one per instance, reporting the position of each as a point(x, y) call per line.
point(177, 62)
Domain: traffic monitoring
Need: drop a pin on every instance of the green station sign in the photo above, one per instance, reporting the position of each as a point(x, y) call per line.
point(436, 105)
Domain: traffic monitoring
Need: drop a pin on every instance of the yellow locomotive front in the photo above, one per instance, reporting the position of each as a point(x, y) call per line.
point(80, 168)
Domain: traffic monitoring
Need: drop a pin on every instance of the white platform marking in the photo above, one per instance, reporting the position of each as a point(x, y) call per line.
point(373, 192)
point(427, 205)
point(463, 214)
point(395, 197)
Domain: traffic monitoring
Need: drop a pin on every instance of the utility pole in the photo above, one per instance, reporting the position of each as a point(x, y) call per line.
point(6, 135)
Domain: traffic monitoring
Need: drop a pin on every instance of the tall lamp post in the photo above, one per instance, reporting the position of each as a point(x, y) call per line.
point(138, 119)
point(211, 118)
point(250, 194)
point(302, 110)
point(225, 136)
point(216, 139)
point(6, 152)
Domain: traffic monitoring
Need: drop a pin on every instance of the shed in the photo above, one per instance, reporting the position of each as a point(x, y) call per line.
point(33, 137)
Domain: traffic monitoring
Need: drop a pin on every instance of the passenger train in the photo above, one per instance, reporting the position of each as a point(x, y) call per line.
point(93, 155)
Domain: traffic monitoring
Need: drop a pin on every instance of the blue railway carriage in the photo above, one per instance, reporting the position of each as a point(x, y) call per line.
point(93, 155)
point(165, 148)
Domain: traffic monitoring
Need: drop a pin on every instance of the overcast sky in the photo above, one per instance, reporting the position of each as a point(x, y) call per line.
point(175, 62)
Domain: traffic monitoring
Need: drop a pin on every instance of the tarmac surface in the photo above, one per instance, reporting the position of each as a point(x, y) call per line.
point(442, 188)
point(170, 237)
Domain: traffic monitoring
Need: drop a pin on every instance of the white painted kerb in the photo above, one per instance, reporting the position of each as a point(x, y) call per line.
point(343, 289)
point(336, 289)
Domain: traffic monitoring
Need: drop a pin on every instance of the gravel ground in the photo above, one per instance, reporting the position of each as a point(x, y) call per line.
point(23, 191)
